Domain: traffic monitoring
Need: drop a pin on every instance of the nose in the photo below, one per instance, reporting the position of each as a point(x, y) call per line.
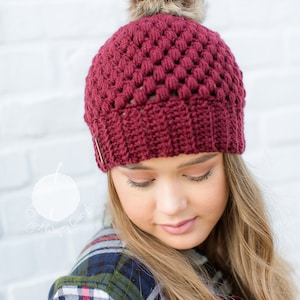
point(171, 198)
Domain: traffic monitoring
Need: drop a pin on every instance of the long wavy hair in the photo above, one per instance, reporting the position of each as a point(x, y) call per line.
point(241, 244)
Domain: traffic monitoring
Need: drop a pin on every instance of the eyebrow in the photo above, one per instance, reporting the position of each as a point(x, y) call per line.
point(197, 160)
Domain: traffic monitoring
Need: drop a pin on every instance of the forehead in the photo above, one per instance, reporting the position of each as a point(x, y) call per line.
point(179, 161)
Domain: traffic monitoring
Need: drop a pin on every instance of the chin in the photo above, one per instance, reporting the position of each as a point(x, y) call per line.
point(183, 242)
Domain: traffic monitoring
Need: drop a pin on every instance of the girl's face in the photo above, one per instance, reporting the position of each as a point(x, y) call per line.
point(178, 199)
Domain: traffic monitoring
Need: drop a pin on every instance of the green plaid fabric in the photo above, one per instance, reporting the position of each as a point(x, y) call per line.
point(105, 272)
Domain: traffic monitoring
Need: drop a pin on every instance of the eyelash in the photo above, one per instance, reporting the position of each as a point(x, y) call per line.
point(200, 178)
point(191, 178)
point(140, 184)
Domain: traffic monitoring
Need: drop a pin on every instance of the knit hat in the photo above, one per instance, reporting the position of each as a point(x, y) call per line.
point(164, 85)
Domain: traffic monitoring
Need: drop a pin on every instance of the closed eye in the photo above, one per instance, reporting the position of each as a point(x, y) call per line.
point(142, 184)
point(199, 178)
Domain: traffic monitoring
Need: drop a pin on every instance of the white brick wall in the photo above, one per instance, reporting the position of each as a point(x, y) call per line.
point(45, 51)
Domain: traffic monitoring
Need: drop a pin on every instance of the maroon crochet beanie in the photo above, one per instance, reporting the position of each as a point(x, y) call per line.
point(161, 86)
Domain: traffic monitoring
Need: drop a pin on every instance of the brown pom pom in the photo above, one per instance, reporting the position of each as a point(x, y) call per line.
point(193, 9)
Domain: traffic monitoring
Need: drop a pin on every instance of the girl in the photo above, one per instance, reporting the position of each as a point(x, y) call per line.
point(164, 102)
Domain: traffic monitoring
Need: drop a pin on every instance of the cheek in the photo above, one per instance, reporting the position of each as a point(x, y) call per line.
point(213, 199)
point(220, 198)
point(138, 210)
point(136, 205)
point(131, 204)
point(217, 204)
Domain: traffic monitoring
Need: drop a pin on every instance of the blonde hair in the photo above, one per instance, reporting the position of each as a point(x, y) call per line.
point(245, 246)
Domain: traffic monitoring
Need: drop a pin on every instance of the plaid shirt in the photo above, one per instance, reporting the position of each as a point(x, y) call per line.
point(105, 272)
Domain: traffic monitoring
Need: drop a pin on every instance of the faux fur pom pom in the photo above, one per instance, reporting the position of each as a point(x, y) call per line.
point(193, 9)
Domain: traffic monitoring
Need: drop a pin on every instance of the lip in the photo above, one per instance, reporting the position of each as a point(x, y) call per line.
point(179, 228)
